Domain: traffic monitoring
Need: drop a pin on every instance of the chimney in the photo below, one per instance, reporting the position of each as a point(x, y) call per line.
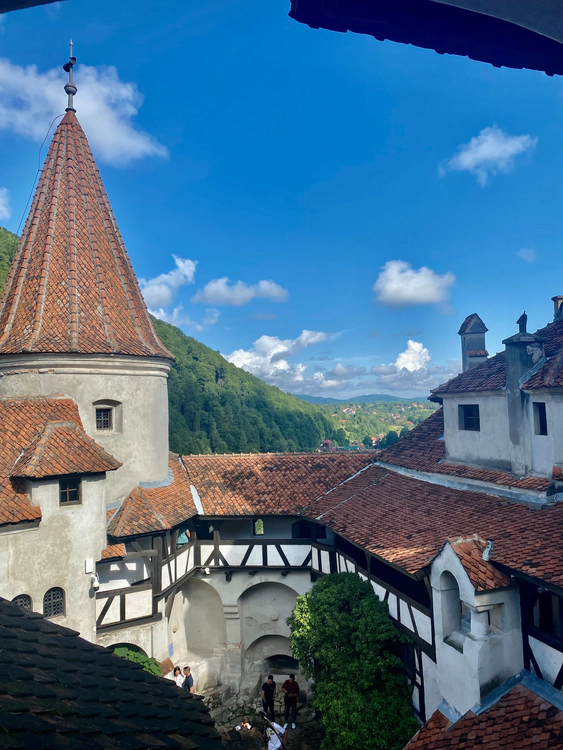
point(472, 332)
point(523, 351)
point(557, 307)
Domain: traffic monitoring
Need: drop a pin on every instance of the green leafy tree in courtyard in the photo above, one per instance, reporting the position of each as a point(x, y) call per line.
point(345, 640)
point(148, 663)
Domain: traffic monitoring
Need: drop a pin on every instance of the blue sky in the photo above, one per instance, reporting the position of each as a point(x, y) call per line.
point(322, 171)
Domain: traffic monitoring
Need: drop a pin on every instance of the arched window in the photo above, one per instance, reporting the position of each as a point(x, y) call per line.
point(451, 605)
point(23, 601)
point(54, 602)
point(258, 527)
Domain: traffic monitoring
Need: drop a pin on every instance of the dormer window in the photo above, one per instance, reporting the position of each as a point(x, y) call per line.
point(104, 419)
point(69, 490)
point(469, 417)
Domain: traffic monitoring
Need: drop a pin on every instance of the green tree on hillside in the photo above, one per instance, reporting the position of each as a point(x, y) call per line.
point(345, 640)
point(8, 245)
point(216, 407)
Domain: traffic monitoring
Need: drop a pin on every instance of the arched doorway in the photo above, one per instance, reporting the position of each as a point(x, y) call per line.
point(263, 610)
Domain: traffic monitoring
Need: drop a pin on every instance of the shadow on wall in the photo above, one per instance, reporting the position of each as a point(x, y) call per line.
point(269, 653)
point(204, 619)
point(263, 610)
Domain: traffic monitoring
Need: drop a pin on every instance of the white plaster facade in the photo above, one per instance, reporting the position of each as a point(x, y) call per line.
point(60, 551)
point(474, 654)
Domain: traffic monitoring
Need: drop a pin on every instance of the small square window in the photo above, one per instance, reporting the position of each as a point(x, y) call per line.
point(104, 419)
point(69, 490)
point(469, 417)
point(540, 418)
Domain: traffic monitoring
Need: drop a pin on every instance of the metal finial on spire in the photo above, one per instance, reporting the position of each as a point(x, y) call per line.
point(70, 88)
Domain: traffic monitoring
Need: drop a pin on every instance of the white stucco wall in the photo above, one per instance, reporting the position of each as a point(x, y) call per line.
point(488, 447)
point(55, 553)
point(139, 384)
point(549, 659)
point(547, 450)
point(478, 663)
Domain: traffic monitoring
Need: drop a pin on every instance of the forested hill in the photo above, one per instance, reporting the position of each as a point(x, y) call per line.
point(217, 407)
point(8, 245)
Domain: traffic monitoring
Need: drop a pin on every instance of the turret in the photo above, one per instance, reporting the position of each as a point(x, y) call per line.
point(472, 332)
point(73, 319)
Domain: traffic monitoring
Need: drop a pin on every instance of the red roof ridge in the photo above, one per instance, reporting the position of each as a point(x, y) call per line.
point(71, 288)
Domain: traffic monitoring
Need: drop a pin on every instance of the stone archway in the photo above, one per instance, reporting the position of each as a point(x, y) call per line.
point(263, 610)
point(204, 619)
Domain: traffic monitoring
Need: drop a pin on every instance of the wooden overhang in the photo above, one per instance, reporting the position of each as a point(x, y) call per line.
point(528, 34)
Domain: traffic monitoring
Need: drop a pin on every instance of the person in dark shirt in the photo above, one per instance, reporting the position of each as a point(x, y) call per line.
point(268, 695)
point(188, 680)
point(290, 691)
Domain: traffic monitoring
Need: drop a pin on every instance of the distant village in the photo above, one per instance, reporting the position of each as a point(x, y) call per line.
point(373, 425)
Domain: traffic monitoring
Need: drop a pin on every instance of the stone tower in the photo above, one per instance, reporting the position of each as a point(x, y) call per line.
point(73, 319)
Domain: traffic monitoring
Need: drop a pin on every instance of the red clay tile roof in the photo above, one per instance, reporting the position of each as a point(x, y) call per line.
point(421, 449)
point(482, 573)
point(550, 375)
point(21, 421)
point(474, 323)
point(491, 375)
point(112, 550)
point(268, 483)
point(155, 508)
point(71, 286)
point(62, 448)
point(477, 353)
point(405, 521)
point(520, 719)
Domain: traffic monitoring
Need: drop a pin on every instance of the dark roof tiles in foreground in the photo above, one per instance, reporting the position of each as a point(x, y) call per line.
point(405, 521)
point(60, 691)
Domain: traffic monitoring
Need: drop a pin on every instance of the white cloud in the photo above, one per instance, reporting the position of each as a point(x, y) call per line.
point(491, 152)
point(409, 372)
point(267, 359)
point(343, 372)
point(161, 290)
point(400, 285)
point(178, 318)
point(211, 317)
point(527, 254)
point(222, 292)
point(5, 209)
point(413, 358)
point(30, 99)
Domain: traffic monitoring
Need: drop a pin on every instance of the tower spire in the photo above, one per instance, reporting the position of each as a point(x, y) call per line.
point(70, 88)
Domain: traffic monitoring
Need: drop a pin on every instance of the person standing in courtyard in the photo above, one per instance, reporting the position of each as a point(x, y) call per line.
point(178, 677)
point(268, 697)
point(188, 680)
point(290, 691)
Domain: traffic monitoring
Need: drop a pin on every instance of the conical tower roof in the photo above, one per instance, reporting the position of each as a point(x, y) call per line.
point(72, 287)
